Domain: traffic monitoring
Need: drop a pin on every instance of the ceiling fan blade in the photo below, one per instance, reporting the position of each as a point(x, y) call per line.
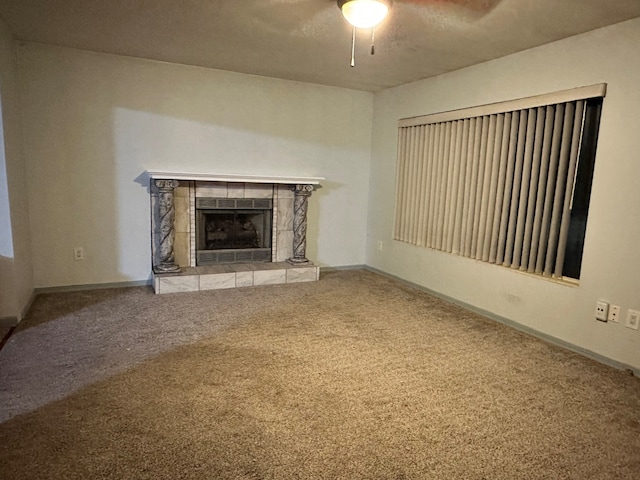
point(447, 13)
point(475, 5)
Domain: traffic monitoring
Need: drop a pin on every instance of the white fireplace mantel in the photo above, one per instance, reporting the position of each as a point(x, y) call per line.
point(224, 177)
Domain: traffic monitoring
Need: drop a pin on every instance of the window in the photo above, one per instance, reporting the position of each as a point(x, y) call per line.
point(506, 183)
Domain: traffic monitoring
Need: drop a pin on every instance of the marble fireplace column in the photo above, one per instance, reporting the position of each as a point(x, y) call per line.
point(166, 217)
point(300, 204)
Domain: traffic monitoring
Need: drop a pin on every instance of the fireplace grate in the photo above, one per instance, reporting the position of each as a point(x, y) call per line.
point(234, 203)
point(211, 257)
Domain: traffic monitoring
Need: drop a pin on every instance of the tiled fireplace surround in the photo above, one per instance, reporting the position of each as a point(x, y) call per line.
point(173, 213)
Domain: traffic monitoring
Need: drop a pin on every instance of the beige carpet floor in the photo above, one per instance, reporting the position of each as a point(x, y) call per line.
point(356, 376)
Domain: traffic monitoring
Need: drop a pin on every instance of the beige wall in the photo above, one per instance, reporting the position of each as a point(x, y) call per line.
point(95, 123)
point(611, 265)
point(16, 278)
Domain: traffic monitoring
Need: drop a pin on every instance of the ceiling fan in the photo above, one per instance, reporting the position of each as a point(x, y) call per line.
point(367, 14)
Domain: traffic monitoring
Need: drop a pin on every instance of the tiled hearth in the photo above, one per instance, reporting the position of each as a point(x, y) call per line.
point(233, 275)
point(173, 204)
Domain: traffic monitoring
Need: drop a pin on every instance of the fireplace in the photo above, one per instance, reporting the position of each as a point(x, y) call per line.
point(230, 230)
point(215, 231)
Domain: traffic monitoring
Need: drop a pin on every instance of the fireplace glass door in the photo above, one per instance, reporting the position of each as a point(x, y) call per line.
point(233, 235)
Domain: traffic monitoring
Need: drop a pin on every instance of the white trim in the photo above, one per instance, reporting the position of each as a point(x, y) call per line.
point(9, 322)
point(93, 286)
point(223, 177)
point(573, 94)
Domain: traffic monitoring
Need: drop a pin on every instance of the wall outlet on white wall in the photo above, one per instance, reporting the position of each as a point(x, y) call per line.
point(602, 308)
point(614, 313)
point(380, 245)
point(78, 253)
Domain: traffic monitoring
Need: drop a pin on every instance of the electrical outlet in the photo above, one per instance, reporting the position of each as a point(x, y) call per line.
point(78, 253)
point(633, 319)
point(380, 244)
point(602, 308)
point(614, 313)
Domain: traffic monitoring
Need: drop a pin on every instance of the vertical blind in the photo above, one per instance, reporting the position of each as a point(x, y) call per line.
point(493, 183)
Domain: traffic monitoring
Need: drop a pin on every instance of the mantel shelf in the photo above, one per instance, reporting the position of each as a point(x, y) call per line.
point(224, 177)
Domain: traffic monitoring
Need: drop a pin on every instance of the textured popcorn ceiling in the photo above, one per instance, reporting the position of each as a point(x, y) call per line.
point(308, 40)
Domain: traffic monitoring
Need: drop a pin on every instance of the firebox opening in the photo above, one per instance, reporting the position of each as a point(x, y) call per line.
point(234, 229)
point(232, 235)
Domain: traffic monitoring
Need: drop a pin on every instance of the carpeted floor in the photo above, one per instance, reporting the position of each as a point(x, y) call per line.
point(356, 376)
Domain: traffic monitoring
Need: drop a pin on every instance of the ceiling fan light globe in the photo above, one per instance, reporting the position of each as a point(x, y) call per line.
point(364, 13)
